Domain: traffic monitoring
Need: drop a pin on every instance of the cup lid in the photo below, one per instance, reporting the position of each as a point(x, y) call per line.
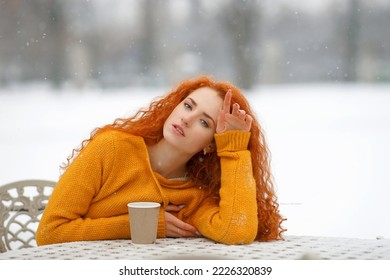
point(143, 204)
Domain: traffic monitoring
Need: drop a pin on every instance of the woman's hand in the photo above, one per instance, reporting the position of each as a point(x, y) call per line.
point(175, 227)
point(235, 120)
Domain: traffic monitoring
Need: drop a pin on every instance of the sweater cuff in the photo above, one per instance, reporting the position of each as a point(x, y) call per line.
point(232, 140)
point(161, 224)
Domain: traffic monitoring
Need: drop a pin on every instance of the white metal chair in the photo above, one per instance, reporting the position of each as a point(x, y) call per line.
point(21, 207)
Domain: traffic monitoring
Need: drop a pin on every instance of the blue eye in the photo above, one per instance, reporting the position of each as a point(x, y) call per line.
point(188, 106)
point(204, 123)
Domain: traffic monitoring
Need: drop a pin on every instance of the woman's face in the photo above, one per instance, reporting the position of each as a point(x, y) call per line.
point(191, 125)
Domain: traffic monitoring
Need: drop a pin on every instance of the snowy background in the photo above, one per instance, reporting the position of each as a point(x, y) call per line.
point(329, 143)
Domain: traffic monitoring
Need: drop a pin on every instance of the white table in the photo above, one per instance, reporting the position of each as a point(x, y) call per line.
point(294, 247)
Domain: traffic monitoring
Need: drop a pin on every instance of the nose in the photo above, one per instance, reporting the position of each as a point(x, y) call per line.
point(187, 121)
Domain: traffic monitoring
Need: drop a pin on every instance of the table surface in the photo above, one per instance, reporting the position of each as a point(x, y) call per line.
point(293, 247)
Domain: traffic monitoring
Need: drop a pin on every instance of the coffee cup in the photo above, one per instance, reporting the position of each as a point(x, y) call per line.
point(143, 218)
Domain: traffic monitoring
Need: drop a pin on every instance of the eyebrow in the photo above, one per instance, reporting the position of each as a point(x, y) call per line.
point(204, 113)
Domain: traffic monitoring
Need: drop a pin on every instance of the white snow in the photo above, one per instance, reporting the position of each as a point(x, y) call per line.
point(329, 144)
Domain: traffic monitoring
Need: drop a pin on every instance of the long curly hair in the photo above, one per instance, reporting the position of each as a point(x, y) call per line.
point(205, 170)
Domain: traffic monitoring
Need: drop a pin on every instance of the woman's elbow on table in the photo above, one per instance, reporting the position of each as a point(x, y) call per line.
point(242, 235)
point(49, 233)
point(233, 233)
point(42, 236)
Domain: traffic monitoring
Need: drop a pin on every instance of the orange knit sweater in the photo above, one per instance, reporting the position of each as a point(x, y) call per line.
point(90, 199)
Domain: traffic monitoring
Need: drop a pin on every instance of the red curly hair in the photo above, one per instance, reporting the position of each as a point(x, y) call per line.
point(205, 169)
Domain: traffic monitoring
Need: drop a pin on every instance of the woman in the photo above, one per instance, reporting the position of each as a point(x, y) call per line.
point(198, 151)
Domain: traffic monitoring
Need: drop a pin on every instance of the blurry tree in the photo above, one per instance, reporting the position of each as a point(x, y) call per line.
point(21, 38)
point(352, 32)
point(241, 20)
point(32, 41)
point(162, 41)
point(56, 30)
point(374, 42)
point(150, 45)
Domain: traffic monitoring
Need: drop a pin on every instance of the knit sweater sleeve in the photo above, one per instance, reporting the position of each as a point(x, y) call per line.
point(64, 217)
point(231, 218)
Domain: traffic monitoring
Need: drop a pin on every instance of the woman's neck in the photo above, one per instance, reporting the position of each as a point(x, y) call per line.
point(167, 161)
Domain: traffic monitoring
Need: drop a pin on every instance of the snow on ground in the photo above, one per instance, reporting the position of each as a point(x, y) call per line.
point(329, 144)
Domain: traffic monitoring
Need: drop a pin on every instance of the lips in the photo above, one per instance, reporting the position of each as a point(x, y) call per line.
point(178, 129)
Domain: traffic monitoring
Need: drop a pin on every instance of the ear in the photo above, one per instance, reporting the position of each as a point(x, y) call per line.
point(209, 148)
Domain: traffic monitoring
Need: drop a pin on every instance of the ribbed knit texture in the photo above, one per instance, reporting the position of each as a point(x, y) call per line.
point(90, 199)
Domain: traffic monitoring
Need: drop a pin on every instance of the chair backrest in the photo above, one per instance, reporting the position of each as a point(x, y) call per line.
point(21, 207)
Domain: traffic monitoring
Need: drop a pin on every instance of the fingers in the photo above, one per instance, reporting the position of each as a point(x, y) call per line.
point(226, 102)
point(221, 127)
point(220, 122)
point(174, 208)
point(173, 231)
point(179, 233)
point(237, 119)
point(248, 122)
point(177, 228)
point(241, 114)
point(236, 109)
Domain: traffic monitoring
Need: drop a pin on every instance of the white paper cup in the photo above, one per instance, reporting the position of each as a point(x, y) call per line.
point(143, 218)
